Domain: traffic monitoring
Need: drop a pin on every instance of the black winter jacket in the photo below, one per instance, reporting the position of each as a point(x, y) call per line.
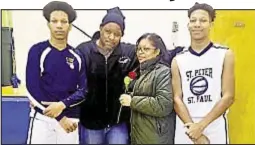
point(105, 79)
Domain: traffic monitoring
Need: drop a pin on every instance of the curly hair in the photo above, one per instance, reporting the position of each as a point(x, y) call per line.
point(59, 6)
point(205, 7)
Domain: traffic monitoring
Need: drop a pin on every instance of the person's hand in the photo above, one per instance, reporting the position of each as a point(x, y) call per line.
point(194, 131)
point(125, 100)
point(202, 140)
point(54, 109)
point(67, 124)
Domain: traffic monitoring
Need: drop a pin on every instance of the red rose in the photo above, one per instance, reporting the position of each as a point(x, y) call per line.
point(132, 75)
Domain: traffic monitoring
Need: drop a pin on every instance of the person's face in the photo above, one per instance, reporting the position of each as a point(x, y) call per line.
point(199, 24)
point(110, 35)
point(146, 51)
point(59, 25)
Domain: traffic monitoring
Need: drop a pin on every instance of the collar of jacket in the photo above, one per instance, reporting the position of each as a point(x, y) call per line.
point(116, 51)
point(149, 64)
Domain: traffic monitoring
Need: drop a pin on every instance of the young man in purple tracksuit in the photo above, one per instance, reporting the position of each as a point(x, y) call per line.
point(56, 80)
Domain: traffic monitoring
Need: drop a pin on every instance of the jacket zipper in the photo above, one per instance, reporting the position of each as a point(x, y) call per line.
point(159, 127)
point(106, 85)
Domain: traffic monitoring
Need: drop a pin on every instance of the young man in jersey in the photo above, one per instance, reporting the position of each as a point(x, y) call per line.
point(203, 83)
point(56, 79)
point(108, 61)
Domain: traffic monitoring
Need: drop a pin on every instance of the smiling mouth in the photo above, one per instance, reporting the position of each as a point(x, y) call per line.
point(197, 31)
point(59, 32)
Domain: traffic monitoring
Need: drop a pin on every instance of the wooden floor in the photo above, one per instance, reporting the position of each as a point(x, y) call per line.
point(8, 91)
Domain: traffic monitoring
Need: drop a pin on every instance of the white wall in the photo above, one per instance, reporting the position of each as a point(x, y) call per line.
point(30, 28)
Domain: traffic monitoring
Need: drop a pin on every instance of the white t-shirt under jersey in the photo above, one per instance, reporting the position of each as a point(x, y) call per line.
point(201, 78)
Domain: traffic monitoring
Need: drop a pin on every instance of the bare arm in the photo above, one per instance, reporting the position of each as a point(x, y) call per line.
point(228, 90)
point(179, 106)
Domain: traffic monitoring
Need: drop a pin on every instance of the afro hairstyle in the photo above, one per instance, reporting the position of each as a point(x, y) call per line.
point(59, 6)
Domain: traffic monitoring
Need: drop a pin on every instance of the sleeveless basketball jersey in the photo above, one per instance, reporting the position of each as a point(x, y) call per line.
point(201, 78)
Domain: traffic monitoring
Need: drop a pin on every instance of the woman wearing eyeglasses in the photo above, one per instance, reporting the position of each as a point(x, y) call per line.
point(151, 102)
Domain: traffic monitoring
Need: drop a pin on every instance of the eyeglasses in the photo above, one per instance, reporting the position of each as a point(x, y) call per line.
point(144, 49)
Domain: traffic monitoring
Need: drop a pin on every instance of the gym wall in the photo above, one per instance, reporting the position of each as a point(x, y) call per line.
point(30, 27)
point(236, 29)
